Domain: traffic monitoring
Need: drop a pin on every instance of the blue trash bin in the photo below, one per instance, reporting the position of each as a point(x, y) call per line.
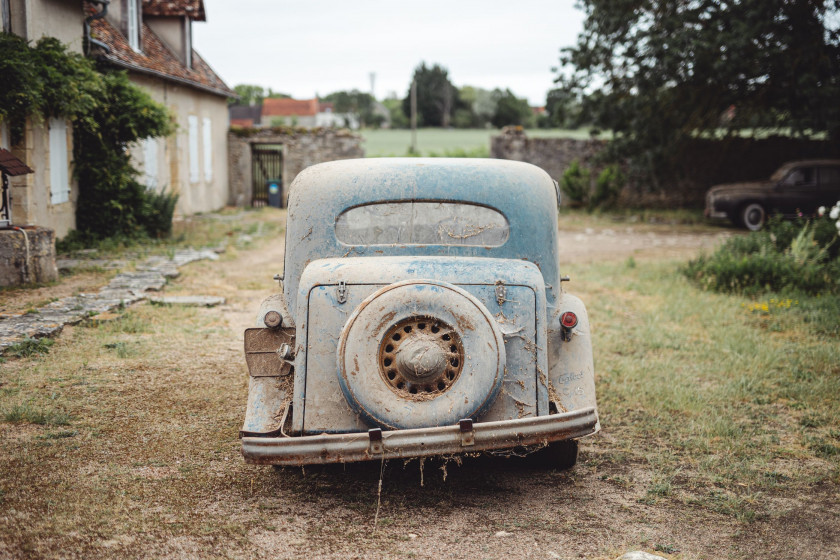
point(275, 192)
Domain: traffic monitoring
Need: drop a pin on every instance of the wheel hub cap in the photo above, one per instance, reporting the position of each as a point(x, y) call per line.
point(420, 356)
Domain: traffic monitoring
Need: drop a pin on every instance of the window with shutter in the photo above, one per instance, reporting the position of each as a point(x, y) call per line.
point(59, 175)
point(207, 145)
point(192, 125)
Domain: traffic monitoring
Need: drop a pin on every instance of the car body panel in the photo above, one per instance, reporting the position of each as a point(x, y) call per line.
point(320, 406)
point(523, 193)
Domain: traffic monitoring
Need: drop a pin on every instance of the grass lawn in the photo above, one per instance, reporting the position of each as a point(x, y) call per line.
point(439, 141)
point(730, 403)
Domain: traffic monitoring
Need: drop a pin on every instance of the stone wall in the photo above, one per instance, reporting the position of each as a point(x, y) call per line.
point(28, 256)
point(551, 154)
point(301, 148)
point(699, 165)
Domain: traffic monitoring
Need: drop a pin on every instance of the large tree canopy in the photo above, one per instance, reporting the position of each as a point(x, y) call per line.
point(437, 98)
point(658, 71)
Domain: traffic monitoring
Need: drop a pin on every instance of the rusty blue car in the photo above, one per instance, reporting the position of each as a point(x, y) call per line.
point(422, 312)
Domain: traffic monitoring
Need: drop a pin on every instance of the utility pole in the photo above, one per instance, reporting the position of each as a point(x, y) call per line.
point(413, 148)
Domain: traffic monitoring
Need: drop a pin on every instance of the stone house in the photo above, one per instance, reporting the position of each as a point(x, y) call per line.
point(152, 40)
point(46, 197)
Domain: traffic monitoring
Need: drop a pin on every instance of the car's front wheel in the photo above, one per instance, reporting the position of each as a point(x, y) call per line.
point(753, 216)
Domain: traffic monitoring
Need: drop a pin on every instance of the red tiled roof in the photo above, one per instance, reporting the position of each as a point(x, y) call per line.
point(156, 59)
point(325, 106)
point(191, 8)
point(289, 107)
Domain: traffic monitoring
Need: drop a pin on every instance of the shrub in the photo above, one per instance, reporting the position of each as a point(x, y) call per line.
point(156, 217)
point(797, 256)
point(575, 184)
point(607, 187)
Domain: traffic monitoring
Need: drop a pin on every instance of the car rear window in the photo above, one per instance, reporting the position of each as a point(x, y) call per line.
point(422, 223)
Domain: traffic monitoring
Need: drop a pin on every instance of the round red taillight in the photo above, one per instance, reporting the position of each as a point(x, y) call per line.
point(568, 319)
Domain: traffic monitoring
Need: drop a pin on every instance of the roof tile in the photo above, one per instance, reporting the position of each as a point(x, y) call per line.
point(157, 59)
point(289, 107)
point(191, 8)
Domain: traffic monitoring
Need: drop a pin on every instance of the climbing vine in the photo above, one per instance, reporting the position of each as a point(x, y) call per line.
point(108, 114)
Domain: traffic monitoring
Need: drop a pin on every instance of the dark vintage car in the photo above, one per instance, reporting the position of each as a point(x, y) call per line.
point(796, 188)
point(422, 313)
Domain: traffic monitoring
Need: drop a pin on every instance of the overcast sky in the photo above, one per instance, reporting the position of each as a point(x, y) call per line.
point(308, 48)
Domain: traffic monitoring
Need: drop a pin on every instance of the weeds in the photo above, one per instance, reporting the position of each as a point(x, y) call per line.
point(27, 413)
point(29, 347)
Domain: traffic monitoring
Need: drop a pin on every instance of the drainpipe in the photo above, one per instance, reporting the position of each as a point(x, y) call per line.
point(98, 15)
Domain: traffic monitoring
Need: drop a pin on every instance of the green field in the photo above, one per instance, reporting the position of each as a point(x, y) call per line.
point(442, 141)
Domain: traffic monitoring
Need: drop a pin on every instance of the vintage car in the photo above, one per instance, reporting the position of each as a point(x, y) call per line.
point(422, 313)
point(797, 188)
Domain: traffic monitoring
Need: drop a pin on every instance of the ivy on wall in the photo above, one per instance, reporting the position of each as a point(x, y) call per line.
point(108, 114)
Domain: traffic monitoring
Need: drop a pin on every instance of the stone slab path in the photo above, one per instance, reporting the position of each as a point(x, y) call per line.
point(124, 289)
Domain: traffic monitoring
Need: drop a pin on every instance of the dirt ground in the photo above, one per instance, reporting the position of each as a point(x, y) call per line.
point(193, 497)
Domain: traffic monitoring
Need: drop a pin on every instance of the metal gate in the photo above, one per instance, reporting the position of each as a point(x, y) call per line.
point(267, 165)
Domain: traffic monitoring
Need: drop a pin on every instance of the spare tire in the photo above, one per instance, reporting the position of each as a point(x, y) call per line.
point(418, 354)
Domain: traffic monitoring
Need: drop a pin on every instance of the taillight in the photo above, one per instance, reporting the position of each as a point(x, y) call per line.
point(568, 320)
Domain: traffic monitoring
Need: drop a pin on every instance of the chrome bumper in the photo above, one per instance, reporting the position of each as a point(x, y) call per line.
point(419, 442)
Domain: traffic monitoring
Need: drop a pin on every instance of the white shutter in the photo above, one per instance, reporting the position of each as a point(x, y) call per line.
point(133, 25)
point(207, 145)
point(150, 163)
point(59, 176)
point(192, 122)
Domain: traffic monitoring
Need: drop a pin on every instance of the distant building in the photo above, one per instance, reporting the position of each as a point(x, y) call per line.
point(246, 116)
point(307, 113)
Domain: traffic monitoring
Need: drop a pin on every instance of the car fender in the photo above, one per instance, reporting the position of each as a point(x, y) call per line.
point(571, 377)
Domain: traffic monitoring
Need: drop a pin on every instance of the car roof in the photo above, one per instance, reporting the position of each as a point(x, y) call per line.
point(780, 173)
point(524, 193)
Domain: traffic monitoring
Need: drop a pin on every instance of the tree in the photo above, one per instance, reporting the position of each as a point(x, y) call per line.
point(563, 109)
point(394, 106)
point(660, 72)
point(510, 110)
point(479, 106)
point(359, 104)
point(248, 94)
point(277, 95)
point(437, 98)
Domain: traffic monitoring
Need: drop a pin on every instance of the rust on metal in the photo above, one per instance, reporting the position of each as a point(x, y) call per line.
point(375, 437)
point(273, 320)
point(419, 442)
point(420, 357)
point(268, 352)
point(467, 432)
